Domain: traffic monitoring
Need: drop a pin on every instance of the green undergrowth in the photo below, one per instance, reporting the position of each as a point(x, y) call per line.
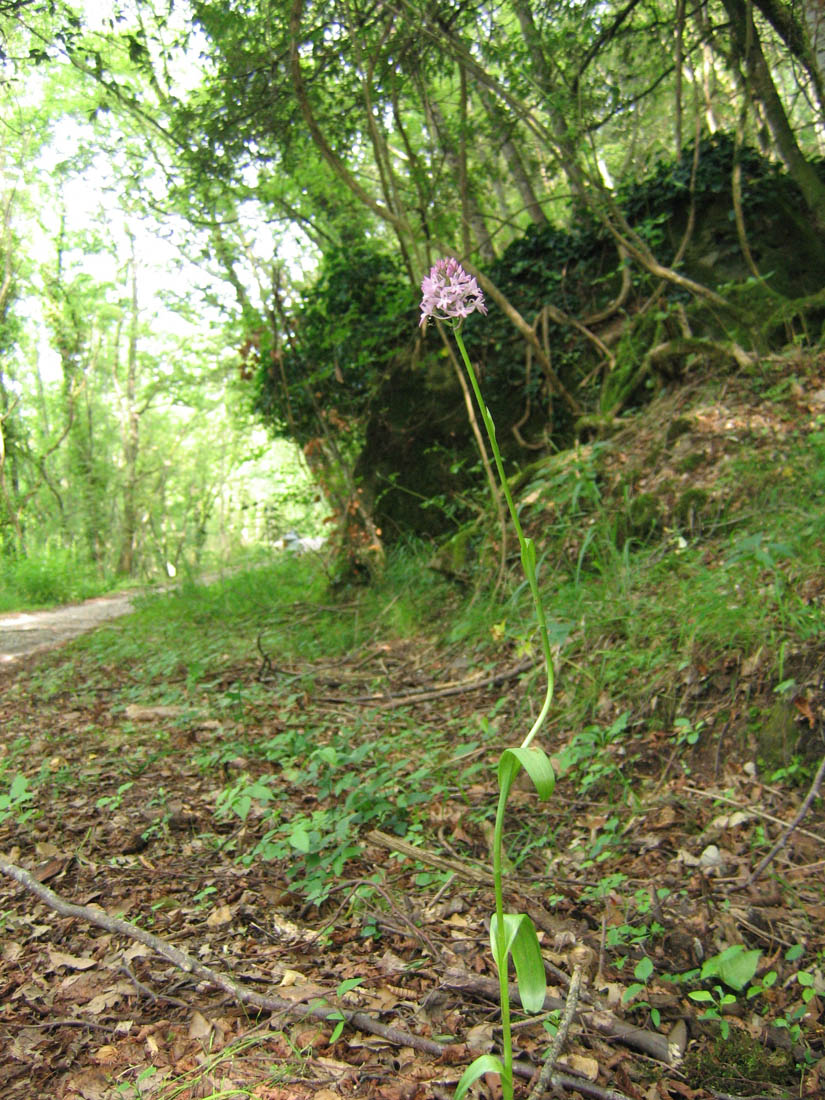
point(280, 613)
point(683, 648)
point(47, 577)
point(660, 633)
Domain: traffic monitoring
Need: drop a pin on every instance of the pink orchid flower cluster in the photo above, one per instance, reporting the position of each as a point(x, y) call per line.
point(449, 293)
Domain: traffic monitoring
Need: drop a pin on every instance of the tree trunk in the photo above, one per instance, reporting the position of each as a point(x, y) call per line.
point(131, 441)
point(805, 37)
point(513, 159)
point(565, 142)
point(472, 218)
point(748, 48)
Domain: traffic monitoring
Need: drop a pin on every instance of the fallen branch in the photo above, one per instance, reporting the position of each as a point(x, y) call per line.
point(655, 1045)
point(716, 796)
point(241, 993)
point(470, 872)
point(554, 1050)
point(649, 1042)
point(421, 695)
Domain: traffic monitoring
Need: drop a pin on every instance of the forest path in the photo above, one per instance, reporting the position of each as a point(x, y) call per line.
point(25, 632)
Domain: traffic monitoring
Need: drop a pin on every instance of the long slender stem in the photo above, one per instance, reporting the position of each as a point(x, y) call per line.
point(500, 947)
point(528, 561)
point(527, 553)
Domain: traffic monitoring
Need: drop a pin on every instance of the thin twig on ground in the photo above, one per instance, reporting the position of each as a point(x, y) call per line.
point(783, 840)
point(242, 994)
point(716, 796)
point(419, 695)
point(554, 1050)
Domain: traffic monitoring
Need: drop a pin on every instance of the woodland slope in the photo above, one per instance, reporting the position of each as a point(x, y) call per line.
point(296, 788)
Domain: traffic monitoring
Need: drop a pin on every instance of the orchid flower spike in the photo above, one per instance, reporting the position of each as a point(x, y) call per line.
point(449, 293)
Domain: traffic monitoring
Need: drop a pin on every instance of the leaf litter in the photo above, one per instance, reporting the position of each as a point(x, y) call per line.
point(657, 883)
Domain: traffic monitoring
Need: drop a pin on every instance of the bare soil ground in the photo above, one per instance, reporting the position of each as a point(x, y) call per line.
point(25, 632)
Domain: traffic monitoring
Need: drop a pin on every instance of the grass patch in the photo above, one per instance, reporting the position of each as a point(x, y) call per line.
point(46, 578)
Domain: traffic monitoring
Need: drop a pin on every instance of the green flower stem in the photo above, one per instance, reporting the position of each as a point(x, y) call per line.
point(528, 561)
point(500, 948)
point(526, 545)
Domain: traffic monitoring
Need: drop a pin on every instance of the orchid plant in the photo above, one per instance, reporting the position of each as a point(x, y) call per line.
point(449, 295)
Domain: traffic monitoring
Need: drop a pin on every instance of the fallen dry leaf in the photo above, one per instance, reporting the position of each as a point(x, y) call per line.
point(220, 915)
point(581, 1064)
point(71, 962)
point(105, 1055)
point(199, 1026)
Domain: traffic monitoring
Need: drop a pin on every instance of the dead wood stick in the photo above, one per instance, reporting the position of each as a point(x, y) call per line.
point(715, 796)
point(469, 871)
point(653, 1044)
point(463, 868)
point(783, 840)
point(554, 1050)
point(419, 695)
point(242, 994)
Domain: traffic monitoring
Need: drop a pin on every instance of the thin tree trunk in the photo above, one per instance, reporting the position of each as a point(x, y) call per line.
point(131, 439)
point(559, 124)
point(748, 48)
point(513, 159)
point(472, 217)
point(677, 106)
point(804, 38)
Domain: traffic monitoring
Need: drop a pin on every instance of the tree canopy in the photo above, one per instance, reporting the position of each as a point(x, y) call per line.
point(618, 176)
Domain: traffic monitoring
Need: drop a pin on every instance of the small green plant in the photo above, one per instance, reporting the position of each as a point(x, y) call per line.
point(450, 294)
point(687, 732)
point(239, 797)
point(114, 801)
point(15, 802)
point(717, 999)
point(642, 972)
point(810, 984)
point(734, 968)
point(337, 1015)
point(589, 754)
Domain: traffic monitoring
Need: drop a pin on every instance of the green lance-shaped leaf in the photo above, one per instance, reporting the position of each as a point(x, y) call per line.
point(487, 1063)
point(535, 762)
point(528, 557)
point(521, 941)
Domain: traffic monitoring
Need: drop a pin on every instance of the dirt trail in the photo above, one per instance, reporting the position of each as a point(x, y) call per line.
point(25, 632)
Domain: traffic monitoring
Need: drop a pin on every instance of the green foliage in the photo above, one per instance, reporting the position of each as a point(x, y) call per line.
point(48, 576)
point(16, 802)
point(589, 758)
point(348, 326)
point(357, 784)
point(735, 966)
point(731, 975)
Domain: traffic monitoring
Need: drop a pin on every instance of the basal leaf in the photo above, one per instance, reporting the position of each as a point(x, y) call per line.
point(521, 941)
point(487, 1063)
point(537, 765)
